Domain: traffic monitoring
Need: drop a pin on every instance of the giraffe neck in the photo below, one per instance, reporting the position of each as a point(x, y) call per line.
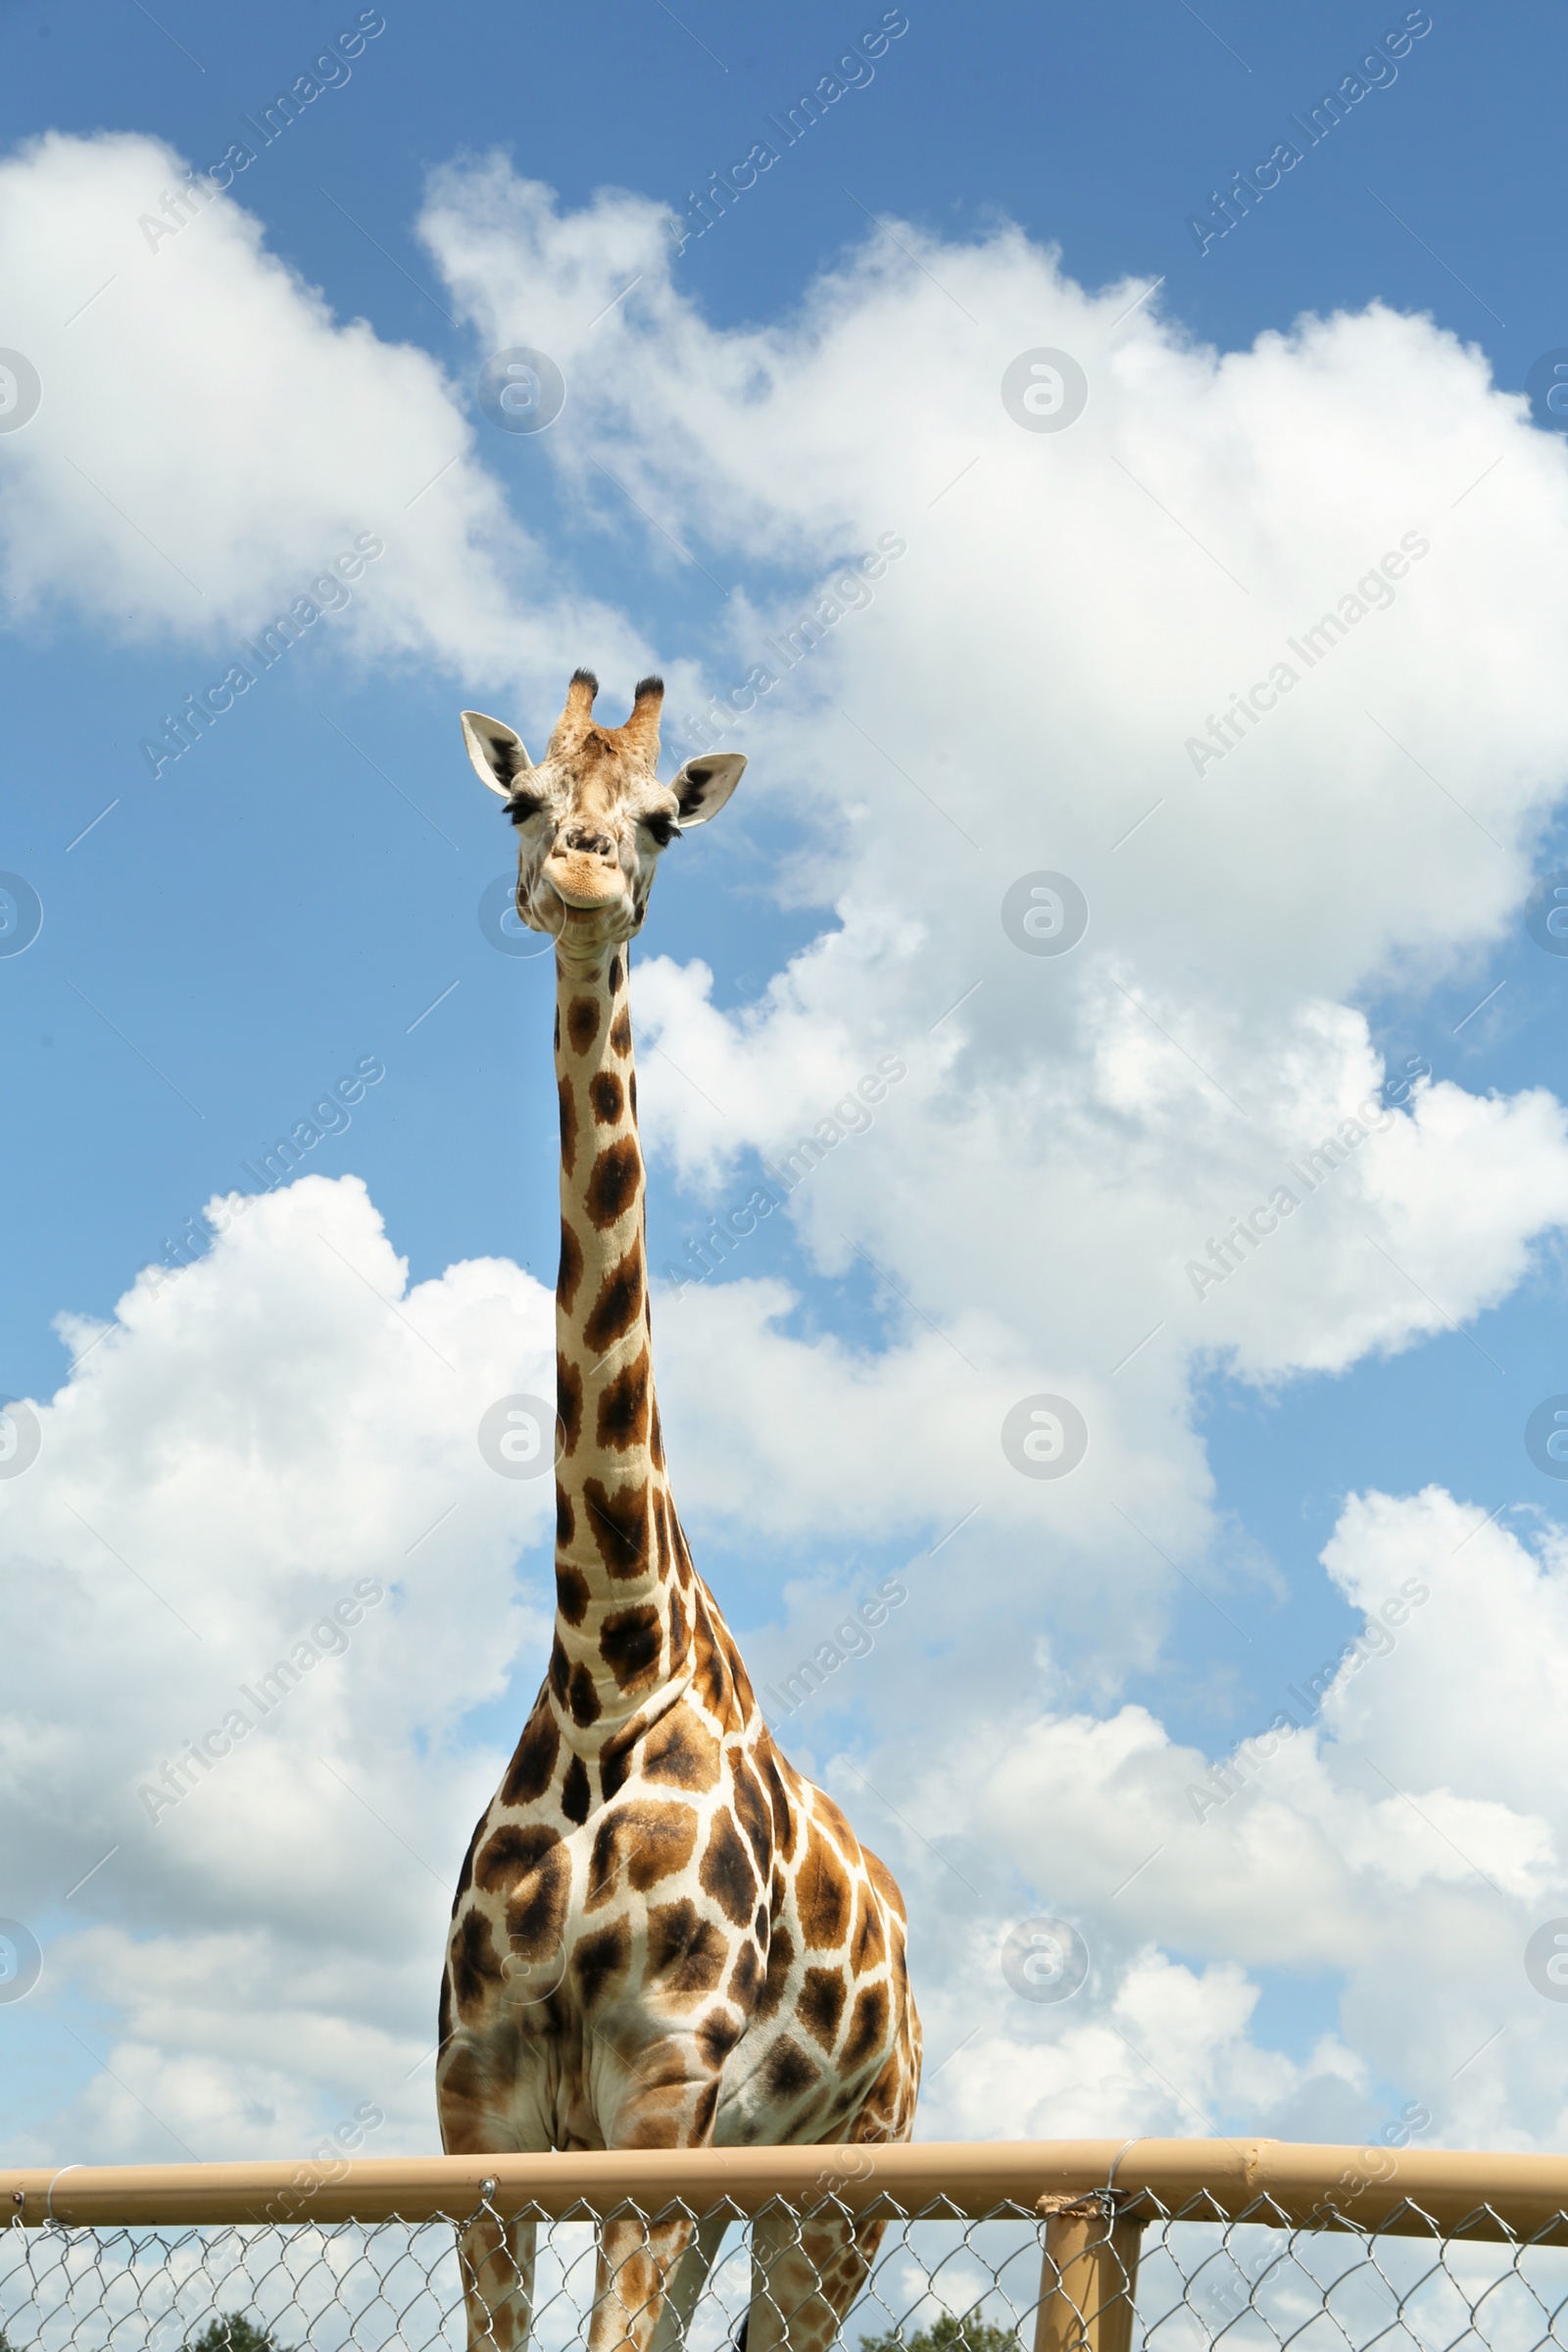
point(623, 1631)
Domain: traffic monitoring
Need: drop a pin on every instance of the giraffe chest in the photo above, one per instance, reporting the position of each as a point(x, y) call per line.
point(687, 1929)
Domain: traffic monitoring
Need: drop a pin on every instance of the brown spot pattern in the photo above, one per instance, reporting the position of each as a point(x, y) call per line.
point(568, 1124)
point(619, 1524)
point(785, 1825)
point(476, 1962)
point(571, 1591)
point(823, 1896)
point(754, 1817)
point(821, 2004)
point(709, 1680)
point(624, 1408)
point(618, 1305)
point(629, 1643)
point(536, 1913)
point(599, 1958)
point(789, 2074)
point(582, 1023)
point(608, 1099)
point(683, 1751)
point(717, 2037)
point(781, 1960)
point(867, 2028)
point(615, 1181)
point(744, 1978)
point(869, 1945)
point(511, 1851)
point(584, 1697)
point(574, 1792)
point(569, 1272)
point(533, 1763)
point(666, 1837)
point(685, 1951)
point(726, 1872)
point(649, 1841)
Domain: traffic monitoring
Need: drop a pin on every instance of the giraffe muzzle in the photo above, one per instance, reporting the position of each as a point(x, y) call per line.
point(581, 879)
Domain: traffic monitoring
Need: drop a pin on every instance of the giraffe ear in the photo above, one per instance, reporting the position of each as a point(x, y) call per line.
point(498, 756)
point(706, 783)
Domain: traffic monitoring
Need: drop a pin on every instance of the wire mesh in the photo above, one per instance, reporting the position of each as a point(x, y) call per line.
point(937, 2282)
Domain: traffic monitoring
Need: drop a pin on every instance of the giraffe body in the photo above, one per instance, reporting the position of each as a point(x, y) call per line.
point(664, 1935)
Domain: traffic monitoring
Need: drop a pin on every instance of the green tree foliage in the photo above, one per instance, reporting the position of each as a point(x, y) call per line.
point(232, 2331)
point(971, 2333)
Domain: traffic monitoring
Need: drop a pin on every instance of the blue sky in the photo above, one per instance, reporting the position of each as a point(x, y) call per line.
point(300, 894)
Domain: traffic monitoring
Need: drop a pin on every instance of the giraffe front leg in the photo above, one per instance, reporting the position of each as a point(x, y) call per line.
point(638, 2261)
point(659, 2094)
point(497, 2261)
point(807, 2270)
point(690, 2278)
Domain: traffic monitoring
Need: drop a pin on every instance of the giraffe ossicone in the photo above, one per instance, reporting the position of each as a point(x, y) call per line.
point(664, 1935)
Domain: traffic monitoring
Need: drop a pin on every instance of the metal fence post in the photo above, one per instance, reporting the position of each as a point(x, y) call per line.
point(1088, 2277)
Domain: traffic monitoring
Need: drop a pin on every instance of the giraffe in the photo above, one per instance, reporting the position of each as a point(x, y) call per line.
point(663, 1935)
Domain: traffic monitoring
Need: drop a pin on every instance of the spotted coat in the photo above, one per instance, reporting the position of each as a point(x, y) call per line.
point(664, 1935)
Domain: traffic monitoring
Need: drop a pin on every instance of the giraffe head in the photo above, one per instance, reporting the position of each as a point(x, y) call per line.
point(593, 818)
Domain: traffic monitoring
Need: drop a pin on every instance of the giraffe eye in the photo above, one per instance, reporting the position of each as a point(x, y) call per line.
point(523, 804)
point(664, 828)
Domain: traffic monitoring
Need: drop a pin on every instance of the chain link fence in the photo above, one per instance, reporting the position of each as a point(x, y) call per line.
point(1067, 2273)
